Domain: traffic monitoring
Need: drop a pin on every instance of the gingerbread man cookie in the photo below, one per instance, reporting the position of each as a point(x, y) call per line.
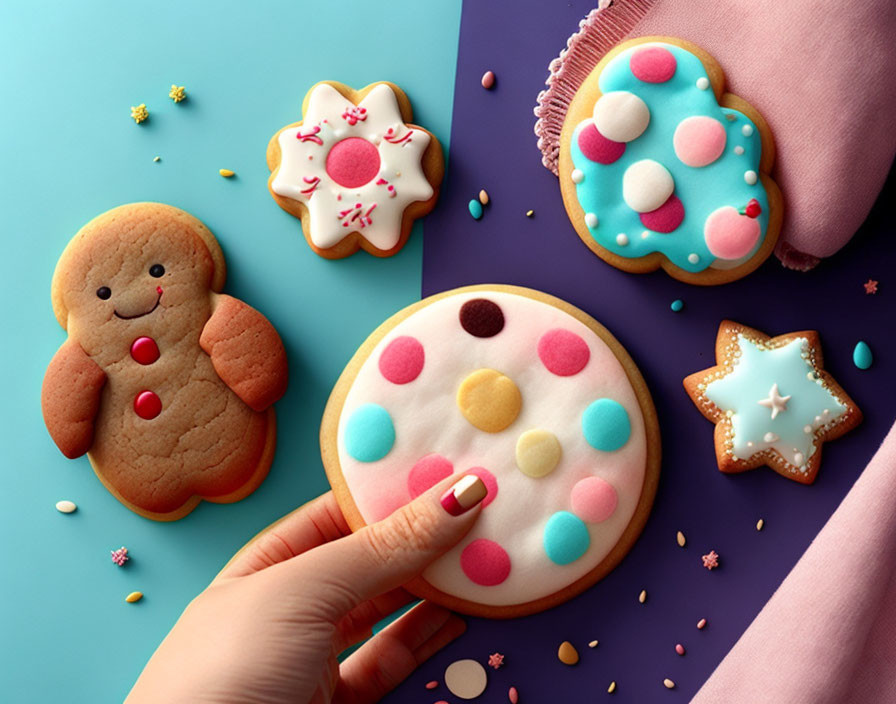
point(354, 170)
point(659, 167)
point(534, 397)
point(772, 402)
point(164, 382)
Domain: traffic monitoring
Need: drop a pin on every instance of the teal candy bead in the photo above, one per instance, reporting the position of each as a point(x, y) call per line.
point(861, 355)
point(475, 209)
point(369, 433)
point(677, 305)
point(566, 538)
point(606, 425)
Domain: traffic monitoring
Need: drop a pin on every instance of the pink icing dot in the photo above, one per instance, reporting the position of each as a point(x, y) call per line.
point(352, 162)
point(730, 235)
point(653, 64)
point(593, 499)
point(666, 218)
point(598, 148)
point(563, 352)
point(491, 484)
point(427, 472)
point(699, 140)
point(485, 562)
point(402, 360)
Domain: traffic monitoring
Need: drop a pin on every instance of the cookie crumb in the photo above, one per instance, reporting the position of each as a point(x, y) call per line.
point(682, 541)
point(432, 685)
point(668, 684)
point(120, 556)
point(133, 597)
point(177, 93)
point(483, 197)
point(475, 208)
point(495, 660)
point(612, 687)
point(66, 506)
point(701, 624)
point(567, 653)
point(870, 286)
point(488, 80)
point(513, 696)
point(530, 213)
point(679, 648)
point(677, 305)
point(642, 597)
point(711, 560)
point(760, 523)
point(226, 173)
point(592, 644)
point(139, 113)
point(157, 158)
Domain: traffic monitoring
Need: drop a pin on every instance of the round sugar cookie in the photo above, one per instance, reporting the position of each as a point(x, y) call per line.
point(530, 394)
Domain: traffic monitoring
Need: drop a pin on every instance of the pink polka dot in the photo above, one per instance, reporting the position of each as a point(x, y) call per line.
point(427, 472)
point(653, 64)
point(402, 360)
point(353, 162)
point(485, 562)
point(563, 352)
point(598, 148)
point(699, 140)
point(491, 484)
point(666, 218)
point(593, 499)
point(730, 235)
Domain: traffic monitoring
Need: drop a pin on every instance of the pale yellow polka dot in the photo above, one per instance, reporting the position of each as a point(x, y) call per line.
point(489, 400)
point(537, 452)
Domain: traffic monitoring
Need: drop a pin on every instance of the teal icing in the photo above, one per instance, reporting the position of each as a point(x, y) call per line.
point(369, 433)
point(754, 372)
point(566, 538)
point(606, 425)
point(701, 190)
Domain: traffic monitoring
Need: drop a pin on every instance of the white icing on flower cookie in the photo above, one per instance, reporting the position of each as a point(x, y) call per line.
point(529, 394)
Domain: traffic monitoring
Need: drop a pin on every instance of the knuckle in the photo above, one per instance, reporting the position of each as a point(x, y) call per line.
point(409, 530)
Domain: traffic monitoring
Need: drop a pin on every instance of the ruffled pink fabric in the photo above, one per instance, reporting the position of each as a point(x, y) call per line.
point(820, 73)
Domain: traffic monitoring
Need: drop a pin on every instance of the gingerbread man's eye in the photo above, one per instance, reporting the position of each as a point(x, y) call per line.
point(156, 270)
point(104, 292)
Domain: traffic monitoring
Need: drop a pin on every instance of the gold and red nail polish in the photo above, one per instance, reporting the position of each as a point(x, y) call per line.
point(464, 495)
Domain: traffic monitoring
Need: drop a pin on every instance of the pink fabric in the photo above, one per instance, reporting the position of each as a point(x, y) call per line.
point(826, 92)
point(828, 635)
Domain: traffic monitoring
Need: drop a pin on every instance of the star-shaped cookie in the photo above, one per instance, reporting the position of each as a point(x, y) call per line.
point(772, 402)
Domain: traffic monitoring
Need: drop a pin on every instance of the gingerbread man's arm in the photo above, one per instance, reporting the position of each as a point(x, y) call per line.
point(70, 398)
point(246, 352)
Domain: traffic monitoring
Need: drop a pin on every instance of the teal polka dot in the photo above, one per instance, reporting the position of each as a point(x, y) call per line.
point(606, 425)
point(566, 538)
point(369, 433)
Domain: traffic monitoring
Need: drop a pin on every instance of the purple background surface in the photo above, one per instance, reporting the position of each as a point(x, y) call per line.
point(493, 147)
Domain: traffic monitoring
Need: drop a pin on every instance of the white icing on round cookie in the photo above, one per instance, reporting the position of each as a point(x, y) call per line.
point(526, 396)
point(362, 186)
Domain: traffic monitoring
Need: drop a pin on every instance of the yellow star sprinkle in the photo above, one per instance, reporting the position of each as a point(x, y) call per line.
point(177, 93)
point(139, 113)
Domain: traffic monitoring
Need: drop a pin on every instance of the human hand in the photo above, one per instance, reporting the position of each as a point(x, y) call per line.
point(270, 626)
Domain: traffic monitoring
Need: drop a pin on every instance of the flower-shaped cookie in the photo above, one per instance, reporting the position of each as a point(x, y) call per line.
point(660, 168)
point(354, 170)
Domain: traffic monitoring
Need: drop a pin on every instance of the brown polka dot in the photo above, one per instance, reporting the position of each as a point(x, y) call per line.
point(481, 317)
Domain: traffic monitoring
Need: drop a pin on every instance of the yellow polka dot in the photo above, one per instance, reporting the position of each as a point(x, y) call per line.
point(489, 400)
point(537, 453)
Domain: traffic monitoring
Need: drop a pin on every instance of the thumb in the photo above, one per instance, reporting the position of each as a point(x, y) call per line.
point(385, 555)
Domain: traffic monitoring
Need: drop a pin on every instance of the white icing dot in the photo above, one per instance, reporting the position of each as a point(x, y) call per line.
point(703, 83)
point(622, 239)
point(770, 437)
point(807, 429)
point(577, 176)
point(621, 116)
point(591, 220)
point(747, 130)
point(693, 257)
point(645, 235)
point(646, 185)
point(798, 458)
point(818, 419)
point(750, 177)
point(737, 150)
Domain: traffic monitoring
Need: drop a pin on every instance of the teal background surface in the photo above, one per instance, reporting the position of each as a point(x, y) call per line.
point(69, 73)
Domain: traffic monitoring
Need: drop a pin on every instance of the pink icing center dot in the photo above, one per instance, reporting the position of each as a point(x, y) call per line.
point(491, 484)
point(402, 360)
point(730, 235)
point(598, 148)
point(666, 218)
point(593, 499)
point(563, 352)
point(699, 140)
point(352, 162)
point(653, 64)
point(427, 472)
point(485, 562)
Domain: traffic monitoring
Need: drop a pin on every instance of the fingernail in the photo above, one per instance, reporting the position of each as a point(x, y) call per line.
point(464, 495)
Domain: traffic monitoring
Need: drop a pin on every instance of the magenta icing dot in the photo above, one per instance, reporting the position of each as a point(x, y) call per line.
point(563, 352)
point(598, 148)
point(666, 218)
point(427, 472)
point(352, 162)
point(491, 484)
point(402, 360)
point(653, 64)
point(485, 562)
point(699, 140)
point(730, 235)
point(593, 499)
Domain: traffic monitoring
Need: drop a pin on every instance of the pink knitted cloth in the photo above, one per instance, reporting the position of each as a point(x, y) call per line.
point(828, 635)
point(821, 73)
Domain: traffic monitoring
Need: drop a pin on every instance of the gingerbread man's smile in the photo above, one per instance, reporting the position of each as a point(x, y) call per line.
point(140, 315)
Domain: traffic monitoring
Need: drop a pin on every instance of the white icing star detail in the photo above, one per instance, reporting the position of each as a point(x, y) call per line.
point(775, 401)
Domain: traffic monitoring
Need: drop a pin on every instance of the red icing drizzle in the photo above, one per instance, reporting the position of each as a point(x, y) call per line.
point(666, 218)
point(147, 405)
point(144, 350)
point(598, 148)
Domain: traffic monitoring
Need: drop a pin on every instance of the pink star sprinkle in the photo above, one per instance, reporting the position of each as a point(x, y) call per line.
point(120, 556)
point(870, 286)
point(711, 561)
point(495, 660)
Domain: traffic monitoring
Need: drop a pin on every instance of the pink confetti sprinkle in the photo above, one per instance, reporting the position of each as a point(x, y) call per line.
point(120, 556)
point(495, 660)
point(488, 80)
point(711, 560)
point(701, 624)
point(870, 286)
point(432, 685)
point(513, 695)
point(679, 648)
